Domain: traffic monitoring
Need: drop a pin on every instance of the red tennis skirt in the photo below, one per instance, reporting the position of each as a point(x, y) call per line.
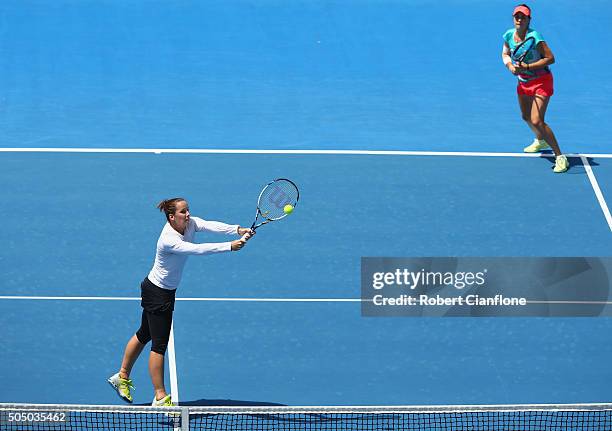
point(542, 86)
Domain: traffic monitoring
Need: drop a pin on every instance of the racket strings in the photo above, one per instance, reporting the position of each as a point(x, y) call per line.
point(275, 196)
point(523, 49)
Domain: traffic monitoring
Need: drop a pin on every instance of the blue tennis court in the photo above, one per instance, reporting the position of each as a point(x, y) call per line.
point(403, 144)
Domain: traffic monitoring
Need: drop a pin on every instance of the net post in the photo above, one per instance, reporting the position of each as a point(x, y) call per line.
point(184, 418)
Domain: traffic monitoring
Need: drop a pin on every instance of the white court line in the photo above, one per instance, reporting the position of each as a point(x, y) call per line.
point(278, 151)
point(274, 299)
point(73, 298)
point(123, 298)
point(597, 190)
point(172, 366)
point(119, 298)
point(572, 302)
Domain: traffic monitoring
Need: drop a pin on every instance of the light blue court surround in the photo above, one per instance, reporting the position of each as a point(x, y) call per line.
point(389, 74)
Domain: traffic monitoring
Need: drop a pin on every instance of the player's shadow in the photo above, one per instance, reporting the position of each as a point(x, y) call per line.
point(233, 403)
point(576, 167)
point(244, 419)
point(249, 419)
point(223, 403)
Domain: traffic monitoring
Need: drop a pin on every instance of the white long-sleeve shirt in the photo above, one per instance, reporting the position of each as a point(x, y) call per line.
point(173, 249)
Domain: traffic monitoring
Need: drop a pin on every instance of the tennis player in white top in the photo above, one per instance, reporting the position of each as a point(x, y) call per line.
point(158, 291)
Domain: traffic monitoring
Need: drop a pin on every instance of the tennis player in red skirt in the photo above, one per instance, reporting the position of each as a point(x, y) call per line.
point(535, 83)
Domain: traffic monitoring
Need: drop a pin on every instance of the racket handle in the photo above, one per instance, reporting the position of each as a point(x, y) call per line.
point(246, 237)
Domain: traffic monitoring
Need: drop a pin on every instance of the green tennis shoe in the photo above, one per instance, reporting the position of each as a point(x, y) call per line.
point(124, 387)
point(536, 146)
point(561, 164)
point(164, 402)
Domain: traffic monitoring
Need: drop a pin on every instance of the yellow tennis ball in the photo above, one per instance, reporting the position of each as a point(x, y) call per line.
point(288, 209)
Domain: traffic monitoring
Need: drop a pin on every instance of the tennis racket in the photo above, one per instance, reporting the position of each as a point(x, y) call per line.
point(522, 50)
point(272, 200)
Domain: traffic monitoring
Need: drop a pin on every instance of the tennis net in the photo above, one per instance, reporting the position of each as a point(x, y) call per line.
point(546, 417)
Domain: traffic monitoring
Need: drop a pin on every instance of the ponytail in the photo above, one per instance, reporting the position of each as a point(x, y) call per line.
point(168, 206)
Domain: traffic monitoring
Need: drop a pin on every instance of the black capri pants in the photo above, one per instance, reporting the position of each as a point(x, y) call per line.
point(157, 308)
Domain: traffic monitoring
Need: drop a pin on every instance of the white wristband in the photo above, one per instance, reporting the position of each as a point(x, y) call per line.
point(507, 60)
